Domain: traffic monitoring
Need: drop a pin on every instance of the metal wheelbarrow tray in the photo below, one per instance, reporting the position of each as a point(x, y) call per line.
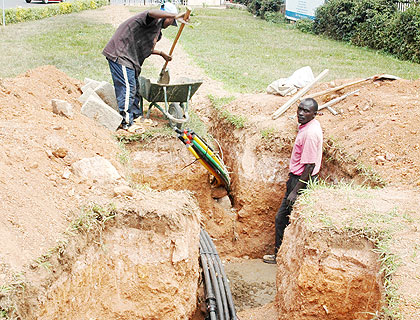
point(175, 96)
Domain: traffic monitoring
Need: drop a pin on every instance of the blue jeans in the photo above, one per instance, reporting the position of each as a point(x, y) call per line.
point(126, 87)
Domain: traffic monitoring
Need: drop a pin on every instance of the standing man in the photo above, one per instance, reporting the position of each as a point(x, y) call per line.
point(132, 43)
point(305, 163)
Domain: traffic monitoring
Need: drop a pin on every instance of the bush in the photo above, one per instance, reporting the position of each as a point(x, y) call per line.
point(372, 23)
point(275, 17)
point(305, 25)
point(261, 7)
point(403, 38)
point(341, 19)
point(27, 14)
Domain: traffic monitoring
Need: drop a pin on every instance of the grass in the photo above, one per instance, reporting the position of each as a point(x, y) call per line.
point(334, 153)
point(218, 103)
point(232, 46)
point(248, 53)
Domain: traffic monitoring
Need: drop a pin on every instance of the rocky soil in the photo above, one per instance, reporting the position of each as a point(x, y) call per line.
point(374, 139)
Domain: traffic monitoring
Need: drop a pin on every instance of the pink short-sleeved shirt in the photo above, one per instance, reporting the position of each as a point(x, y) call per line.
point(307, 148)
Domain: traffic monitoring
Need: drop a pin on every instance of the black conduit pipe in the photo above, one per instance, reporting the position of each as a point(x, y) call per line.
point(225, 279)
point(210, 298)
point(221, 284)
point(214, 283)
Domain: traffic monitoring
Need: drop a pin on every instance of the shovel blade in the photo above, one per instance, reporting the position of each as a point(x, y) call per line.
point(164, 77)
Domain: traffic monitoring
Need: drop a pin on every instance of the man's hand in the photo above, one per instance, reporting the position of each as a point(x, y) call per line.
point(291, 198)
point(182, 18)
point(165, 56)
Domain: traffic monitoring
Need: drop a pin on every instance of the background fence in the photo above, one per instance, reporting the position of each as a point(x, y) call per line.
point(405, 4)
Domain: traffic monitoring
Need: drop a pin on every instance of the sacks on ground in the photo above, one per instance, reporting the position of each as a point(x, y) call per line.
point(288, 86)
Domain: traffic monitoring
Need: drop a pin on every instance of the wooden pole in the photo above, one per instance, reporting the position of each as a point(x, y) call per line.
point(334, 101)
point(321, 93)
point(299, 94)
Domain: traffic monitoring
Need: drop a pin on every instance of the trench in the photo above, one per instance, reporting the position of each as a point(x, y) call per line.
point(319, 275)
point(242, 228)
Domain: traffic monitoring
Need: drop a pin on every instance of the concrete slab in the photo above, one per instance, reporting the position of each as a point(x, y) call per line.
point(106, 91)
point(86, 94)
point(90, 83)
point(98, 110)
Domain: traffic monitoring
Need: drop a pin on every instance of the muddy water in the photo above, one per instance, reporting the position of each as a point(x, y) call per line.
point(253, 282)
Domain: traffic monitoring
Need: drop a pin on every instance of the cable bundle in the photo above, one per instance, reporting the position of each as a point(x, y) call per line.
point(219, 299)
point(205, 154)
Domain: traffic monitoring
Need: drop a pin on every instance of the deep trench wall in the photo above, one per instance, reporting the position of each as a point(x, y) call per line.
point(145, 268)
point(259, 171)
point(324, 275)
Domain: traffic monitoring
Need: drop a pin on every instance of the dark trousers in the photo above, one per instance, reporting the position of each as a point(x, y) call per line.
point(126, 87)
point(282, 216)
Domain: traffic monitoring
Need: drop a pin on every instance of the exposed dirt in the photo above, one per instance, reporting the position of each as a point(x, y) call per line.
point(377, 129)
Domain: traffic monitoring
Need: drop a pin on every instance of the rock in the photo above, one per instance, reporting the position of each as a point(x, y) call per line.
point(88, 92)
point(217, 193)
point(96, 168)
point(225, 202)
point(60, 152)
point(123, 191)
point(106, 92)
point(66, 173)
point(389, 156)
point(90, 83)
point(98, 110)
point(351, 108)
point(62, 107)
point(380, 160)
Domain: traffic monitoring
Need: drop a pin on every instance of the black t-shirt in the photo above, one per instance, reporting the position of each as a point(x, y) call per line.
point(134, 41)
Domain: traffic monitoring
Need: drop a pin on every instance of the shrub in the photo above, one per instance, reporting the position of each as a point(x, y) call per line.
point(261, 7)
point(28, 14)
point(372, 23)
point(342, 19)
point(404, 35)
point(305, 25)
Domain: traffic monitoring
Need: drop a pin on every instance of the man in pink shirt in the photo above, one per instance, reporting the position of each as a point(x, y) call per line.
point(305, 163)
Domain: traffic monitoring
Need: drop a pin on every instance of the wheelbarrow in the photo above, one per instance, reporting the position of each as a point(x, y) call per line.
point(175, 96)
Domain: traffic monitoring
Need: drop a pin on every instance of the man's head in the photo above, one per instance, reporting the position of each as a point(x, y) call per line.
point(307, 110)
point(170, 8)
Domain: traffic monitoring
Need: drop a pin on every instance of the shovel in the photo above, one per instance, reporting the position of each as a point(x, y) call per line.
point(164, 73)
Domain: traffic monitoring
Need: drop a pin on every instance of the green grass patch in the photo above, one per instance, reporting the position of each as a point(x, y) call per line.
point(232, 46)
point(19, 14)
point(248, 53)
point(71, 42)
point(218, 103)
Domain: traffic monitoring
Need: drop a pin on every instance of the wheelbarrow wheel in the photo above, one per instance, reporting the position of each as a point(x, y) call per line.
point(175, 111)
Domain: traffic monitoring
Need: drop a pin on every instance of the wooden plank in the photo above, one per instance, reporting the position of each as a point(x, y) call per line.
point(298, 95)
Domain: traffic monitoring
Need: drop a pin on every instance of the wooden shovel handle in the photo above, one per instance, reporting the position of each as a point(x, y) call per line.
point(181, 27)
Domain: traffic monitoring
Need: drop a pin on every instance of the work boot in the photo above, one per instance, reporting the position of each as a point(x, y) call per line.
point(270, 258)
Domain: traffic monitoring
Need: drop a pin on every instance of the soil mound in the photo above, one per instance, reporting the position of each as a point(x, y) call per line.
point(38, 148)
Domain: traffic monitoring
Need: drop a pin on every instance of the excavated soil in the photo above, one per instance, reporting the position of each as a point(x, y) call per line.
point(375, 139)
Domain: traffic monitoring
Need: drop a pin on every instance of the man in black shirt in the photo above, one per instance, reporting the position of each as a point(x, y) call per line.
point(132, 43)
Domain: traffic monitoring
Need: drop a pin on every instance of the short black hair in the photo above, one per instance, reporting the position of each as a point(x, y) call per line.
point(312, 102)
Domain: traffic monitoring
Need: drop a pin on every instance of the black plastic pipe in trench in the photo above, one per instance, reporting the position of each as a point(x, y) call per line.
point(214, 283)
point(213, 268)
point(224, 278)
point(210, 298)
point(217, 278)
